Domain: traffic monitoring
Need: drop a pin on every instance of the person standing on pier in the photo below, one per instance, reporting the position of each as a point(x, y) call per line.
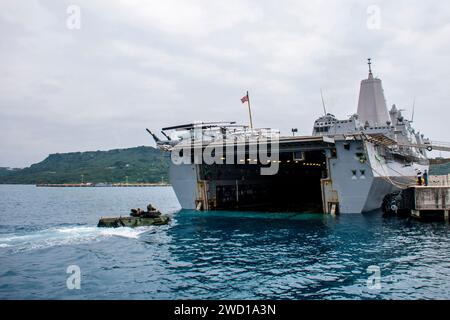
point(425, 178)
point(419, 178)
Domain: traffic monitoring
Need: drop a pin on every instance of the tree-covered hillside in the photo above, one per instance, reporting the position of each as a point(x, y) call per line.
point(439, 169)
point(4, 171)
point(140, 164)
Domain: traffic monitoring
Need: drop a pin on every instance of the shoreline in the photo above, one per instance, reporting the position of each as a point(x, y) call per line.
point(101, 185)
point(88, 185)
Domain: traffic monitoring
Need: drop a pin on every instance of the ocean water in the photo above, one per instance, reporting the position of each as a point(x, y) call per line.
point(210, 255)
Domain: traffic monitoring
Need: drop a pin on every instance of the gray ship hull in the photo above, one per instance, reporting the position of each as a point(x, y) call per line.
point(355, 186)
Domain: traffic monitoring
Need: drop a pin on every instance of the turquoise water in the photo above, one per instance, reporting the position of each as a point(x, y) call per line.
point(214, 255)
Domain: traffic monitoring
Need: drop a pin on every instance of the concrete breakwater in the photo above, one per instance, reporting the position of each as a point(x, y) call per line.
point(89, 184)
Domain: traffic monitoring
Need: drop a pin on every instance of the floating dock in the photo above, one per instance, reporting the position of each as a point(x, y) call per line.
point(430, 202)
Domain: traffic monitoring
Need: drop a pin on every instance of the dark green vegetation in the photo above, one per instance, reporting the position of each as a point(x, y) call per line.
point(140, 164)
point(7, 171)
point(439, 169)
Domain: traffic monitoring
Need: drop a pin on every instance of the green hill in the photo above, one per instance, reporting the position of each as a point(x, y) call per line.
point(4, 171)
point(439, 169)
point(140, 164)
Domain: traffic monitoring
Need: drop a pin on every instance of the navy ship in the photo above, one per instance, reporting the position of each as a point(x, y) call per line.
point(344, 166)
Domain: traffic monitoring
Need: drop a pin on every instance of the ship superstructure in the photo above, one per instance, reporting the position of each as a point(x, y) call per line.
point(344, 166)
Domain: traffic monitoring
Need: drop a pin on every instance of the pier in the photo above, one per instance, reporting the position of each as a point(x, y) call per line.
point(423, 202)
point(429, 201)
point(84, 185)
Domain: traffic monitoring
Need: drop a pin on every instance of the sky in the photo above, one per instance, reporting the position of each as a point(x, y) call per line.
point(92, 75)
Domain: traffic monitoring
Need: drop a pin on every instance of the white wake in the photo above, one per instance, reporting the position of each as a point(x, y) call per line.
point(66, 235)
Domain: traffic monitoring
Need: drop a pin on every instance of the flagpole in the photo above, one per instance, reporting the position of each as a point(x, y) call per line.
point(249, 111)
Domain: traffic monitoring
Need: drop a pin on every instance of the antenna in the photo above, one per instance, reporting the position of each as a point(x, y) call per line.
point(165, 135)
point(413, 109)
point(155, 137)
point(369, 62)
point(323, 102)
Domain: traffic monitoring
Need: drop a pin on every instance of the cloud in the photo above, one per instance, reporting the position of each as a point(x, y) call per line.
point(136, 64)
point(192, 18)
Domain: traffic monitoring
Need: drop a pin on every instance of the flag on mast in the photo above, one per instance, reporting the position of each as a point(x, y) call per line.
point(247, 99)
